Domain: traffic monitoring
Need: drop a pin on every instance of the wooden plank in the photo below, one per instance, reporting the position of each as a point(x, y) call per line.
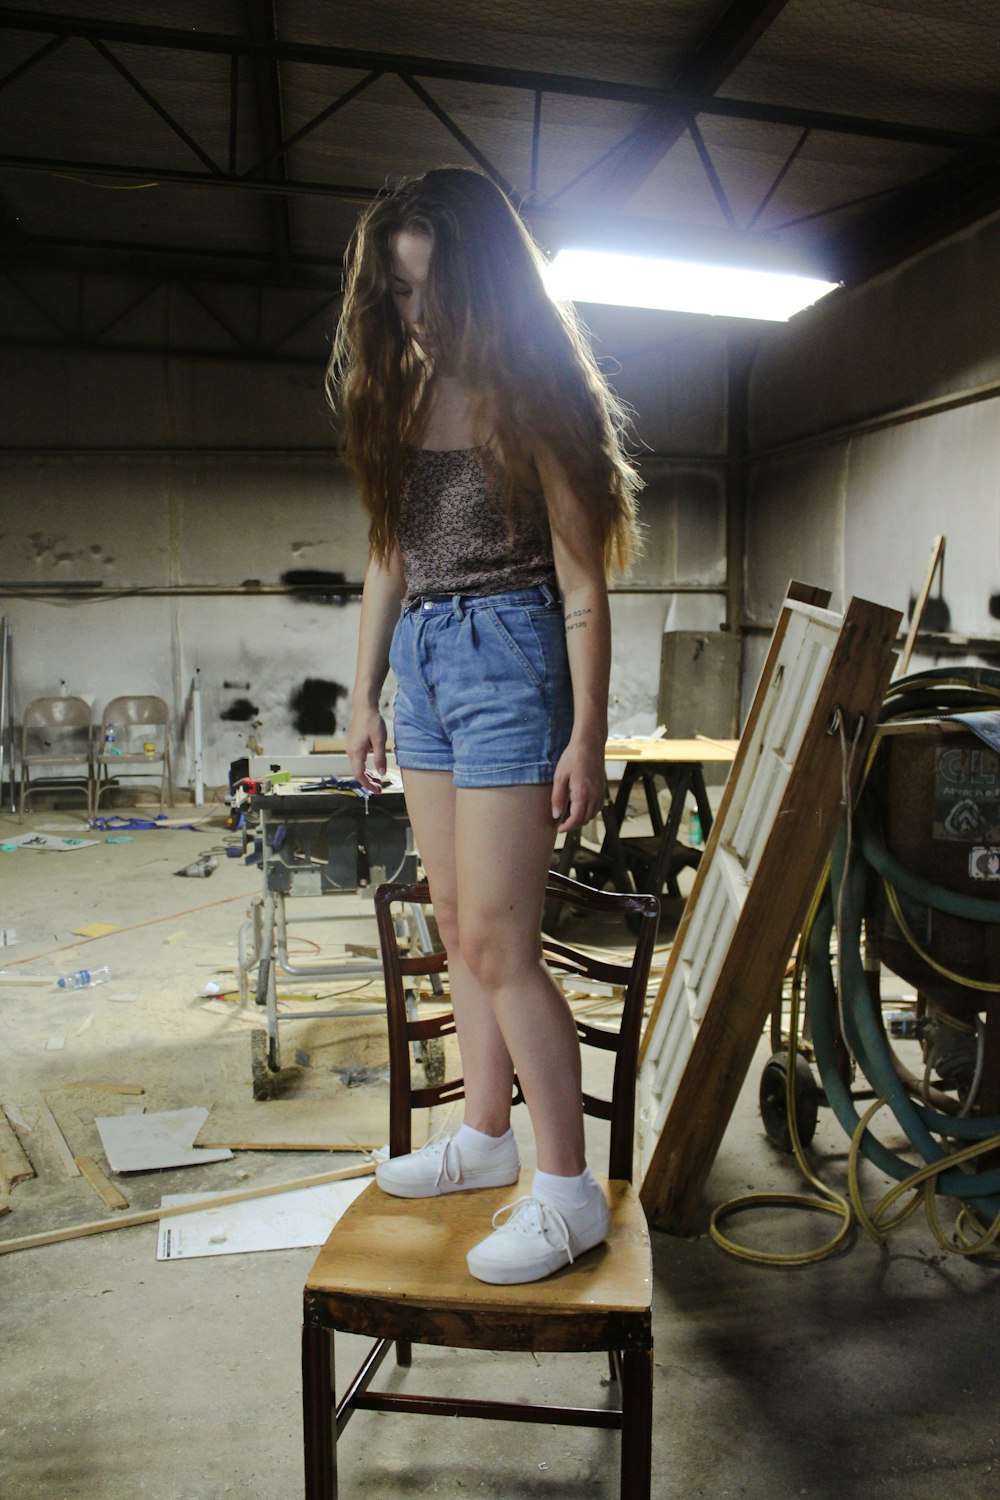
point(671, 752)
point(153, 1215)
point(102, 1185)
point(937, 561)
point(773, 908)
point(808, 593)
point(351, 1120)
point(747, 740)
point(58, 1140)
point(800, 654)
point(14, 1164)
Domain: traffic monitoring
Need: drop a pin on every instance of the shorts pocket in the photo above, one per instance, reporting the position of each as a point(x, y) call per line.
point(521, 650)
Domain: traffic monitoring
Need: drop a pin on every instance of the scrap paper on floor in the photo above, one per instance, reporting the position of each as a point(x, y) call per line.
point(284, 1221)
point(146, 1143)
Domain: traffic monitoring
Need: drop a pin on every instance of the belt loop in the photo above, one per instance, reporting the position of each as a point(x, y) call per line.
point(457, 607)
point(548, 593)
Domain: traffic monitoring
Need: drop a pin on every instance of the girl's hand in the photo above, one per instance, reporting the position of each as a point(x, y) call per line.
point(578, 788)
point(366, 736)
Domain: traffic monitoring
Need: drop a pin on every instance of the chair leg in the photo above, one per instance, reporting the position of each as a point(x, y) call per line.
point(318, 1422)
point(637, 1424)
point(404, 1353)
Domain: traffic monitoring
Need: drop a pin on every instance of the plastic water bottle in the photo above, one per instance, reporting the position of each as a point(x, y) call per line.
point(110, 737)
point(84, 978)
point(694, 829)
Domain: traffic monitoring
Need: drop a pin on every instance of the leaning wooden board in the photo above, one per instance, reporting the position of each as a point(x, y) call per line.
point(769, 843)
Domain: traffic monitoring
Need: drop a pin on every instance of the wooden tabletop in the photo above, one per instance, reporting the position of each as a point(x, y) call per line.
point(676, 752)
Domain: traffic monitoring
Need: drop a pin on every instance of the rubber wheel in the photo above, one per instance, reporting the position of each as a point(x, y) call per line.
point(261, 1072)
point(773, 1101)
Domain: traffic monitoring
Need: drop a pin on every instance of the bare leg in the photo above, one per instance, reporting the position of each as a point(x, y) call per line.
point(486, 1064)
point(504, 838)
point(486, 852)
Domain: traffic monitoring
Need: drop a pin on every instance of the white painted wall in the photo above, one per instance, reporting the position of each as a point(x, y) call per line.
point(143, 469)
point(856, 510)
point(138, 470)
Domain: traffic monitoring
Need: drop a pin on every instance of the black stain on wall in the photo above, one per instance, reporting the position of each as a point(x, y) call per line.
point(995, 606)
point(240, 711)
point(936, 617)
point(314, 706)
point(315, 585)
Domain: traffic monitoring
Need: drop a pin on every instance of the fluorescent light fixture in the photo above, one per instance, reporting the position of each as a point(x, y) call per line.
point(684, 283)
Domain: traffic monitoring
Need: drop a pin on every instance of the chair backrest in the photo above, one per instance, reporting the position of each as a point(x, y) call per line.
point(136, 709)
point(57, 713)
point(627, 969)
point(56, 729)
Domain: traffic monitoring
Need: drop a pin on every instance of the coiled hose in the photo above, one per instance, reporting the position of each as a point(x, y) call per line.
point(949, 1144)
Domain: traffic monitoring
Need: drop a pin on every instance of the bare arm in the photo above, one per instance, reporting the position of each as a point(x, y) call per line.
point(380, 601)
point(578, 788)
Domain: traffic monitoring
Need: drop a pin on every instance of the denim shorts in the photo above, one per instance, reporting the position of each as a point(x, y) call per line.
point(483, 687)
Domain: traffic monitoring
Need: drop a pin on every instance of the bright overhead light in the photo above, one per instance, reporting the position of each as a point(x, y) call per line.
point(683, 283)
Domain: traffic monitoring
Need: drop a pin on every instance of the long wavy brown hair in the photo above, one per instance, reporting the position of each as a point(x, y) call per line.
point(525, 356)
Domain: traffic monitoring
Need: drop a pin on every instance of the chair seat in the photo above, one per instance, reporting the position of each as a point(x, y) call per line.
point(395, 1268)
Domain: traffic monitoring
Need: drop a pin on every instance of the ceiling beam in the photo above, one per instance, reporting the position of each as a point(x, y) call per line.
point(264, 27)
point(703, 71)
point(18, 19)
point(916, 217)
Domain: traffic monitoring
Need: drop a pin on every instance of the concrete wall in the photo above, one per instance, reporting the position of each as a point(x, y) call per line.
point(874, 427)
point(194, 474)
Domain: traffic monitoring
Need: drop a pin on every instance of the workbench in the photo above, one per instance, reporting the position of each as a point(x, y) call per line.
point(648, 862)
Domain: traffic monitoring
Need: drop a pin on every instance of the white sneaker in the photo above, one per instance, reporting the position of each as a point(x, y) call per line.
point(536, 1240)
point(441, 1167)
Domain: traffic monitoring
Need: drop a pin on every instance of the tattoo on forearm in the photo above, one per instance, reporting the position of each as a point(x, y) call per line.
point(575, 620)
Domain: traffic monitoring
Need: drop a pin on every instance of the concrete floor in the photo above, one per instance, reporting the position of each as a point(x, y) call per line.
point(871, 1375)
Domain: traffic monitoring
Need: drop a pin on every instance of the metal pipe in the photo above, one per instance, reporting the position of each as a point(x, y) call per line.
point(199, 767)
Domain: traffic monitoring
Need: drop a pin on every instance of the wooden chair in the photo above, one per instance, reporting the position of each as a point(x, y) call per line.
point(57, 751)
point(394, 1268)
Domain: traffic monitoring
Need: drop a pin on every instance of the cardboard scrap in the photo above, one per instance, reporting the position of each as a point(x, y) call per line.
point(146, 1143)
point(95, 929)
point(286, 1221)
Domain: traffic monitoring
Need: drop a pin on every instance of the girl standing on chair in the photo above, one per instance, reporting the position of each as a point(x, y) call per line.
point(489, 455)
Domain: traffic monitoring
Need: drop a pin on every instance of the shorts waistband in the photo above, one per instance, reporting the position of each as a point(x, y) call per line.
point(542, 593)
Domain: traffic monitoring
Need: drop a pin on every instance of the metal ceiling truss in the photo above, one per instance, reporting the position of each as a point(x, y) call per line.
point(673, 109)
point(971, 169)
point(243, 339)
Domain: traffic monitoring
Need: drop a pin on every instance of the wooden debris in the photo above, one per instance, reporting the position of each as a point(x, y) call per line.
point(14, 1164)
point(58, 1140)
point(346, 1120)
point(153, 1215)
point(102, 1185)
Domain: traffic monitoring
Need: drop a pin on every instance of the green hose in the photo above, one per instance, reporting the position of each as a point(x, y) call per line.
point(943, 691)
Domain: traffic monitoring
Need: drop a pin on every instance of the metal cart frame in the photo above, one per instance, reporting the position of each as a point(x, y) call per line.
point(318, 844)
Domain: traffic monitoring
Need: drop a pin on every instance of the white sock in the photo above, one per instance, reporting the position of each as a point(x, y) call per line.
point(470, 1139)
point(565, 1193)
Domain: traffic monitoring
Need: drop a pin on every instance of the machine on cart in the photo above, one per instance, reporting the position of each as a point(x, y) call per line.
point(914, 889)
point(323, 850)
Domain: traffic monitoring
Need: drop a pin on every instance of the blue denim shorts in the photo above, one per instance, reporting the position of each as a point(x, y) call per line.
point(484, 688)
